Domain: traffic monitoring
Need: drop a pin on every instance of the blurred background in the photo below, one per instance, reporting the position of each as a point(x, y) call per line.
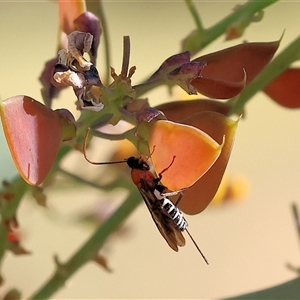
point(248, 243)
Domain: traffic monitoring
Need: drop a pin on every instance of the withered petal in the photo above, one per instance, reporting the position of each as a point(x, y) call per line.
point(88, 22)
point(170, 64)
point(185, 74)
point(49, 90)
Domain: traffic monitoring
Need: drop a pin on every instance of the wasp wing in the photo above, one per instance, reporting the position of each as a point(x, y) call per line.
point(163, 221)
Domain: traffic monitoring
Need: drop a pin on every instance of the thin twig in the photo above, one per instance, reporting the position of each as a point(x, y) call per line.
point(195, 15)
point(296, 218)
point(126, 55)
point(97, 8)
point(89, 249)
point(281, 62)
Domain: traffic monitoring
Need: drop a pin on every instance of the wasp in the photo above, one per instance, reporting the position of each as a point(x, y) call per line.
point(167, 217)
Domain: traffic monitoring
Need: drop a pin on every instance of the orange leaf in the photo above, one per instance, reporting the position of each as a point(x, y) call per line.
point(68, 12)
point(33, 134)
point(197, 197)
point(194, 151)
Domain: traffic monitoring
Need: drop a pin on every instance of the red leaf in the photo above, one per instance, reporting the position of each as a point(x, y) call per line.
point(285, 89)
point(218, 88)
point(33, 133)
point(228, 64)
point(180, 110)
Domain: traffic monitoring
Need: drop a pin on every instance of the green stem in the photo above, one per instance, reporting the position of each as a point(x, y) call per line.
point(195, 15)
point(145, 87)
point(109, 136)
point(126, 56)
point(281, 62)
point(196, 42)
point(296, 218)
point(97, 8)
point(9, 207)
point(89, 249)
point(119, 183)
point(80, 179)
point(287, 290)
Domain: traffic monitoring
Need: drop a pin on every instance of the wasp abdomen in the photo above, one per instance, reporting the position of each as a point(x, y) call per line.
point(175, 213)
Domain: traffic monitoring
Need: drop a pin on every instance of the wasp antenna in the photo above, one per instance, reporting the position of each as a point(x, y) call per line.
point(166, 169)
point(93, 162)
point(197, 247)
point(153, 149)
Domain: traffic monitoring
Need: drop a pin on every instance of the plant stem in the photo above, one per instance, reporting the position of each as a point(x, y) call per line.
point(287, 290)
point(281, 62)
point(126, 55)
point(120, 182)
point(296, 218)
point(97, 8)
point(79, 179)
point(9, 207)
point(195, 15)
point(196, 41)
point(89, 249)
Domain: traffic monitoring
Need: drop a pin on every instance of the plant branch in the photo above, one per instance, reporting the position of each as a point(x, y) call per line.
point(9, 205)
point(197, 41)
point(287, 290)
point(195, 15)
point(119, 182)
point(89, 249)
point(281, 62)
point(97, 8)
point(126, 55)
point(296, 218)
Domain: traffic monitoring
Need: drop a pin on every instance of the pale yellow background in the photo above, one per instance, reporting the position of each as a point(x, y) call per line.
point(247, 244)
